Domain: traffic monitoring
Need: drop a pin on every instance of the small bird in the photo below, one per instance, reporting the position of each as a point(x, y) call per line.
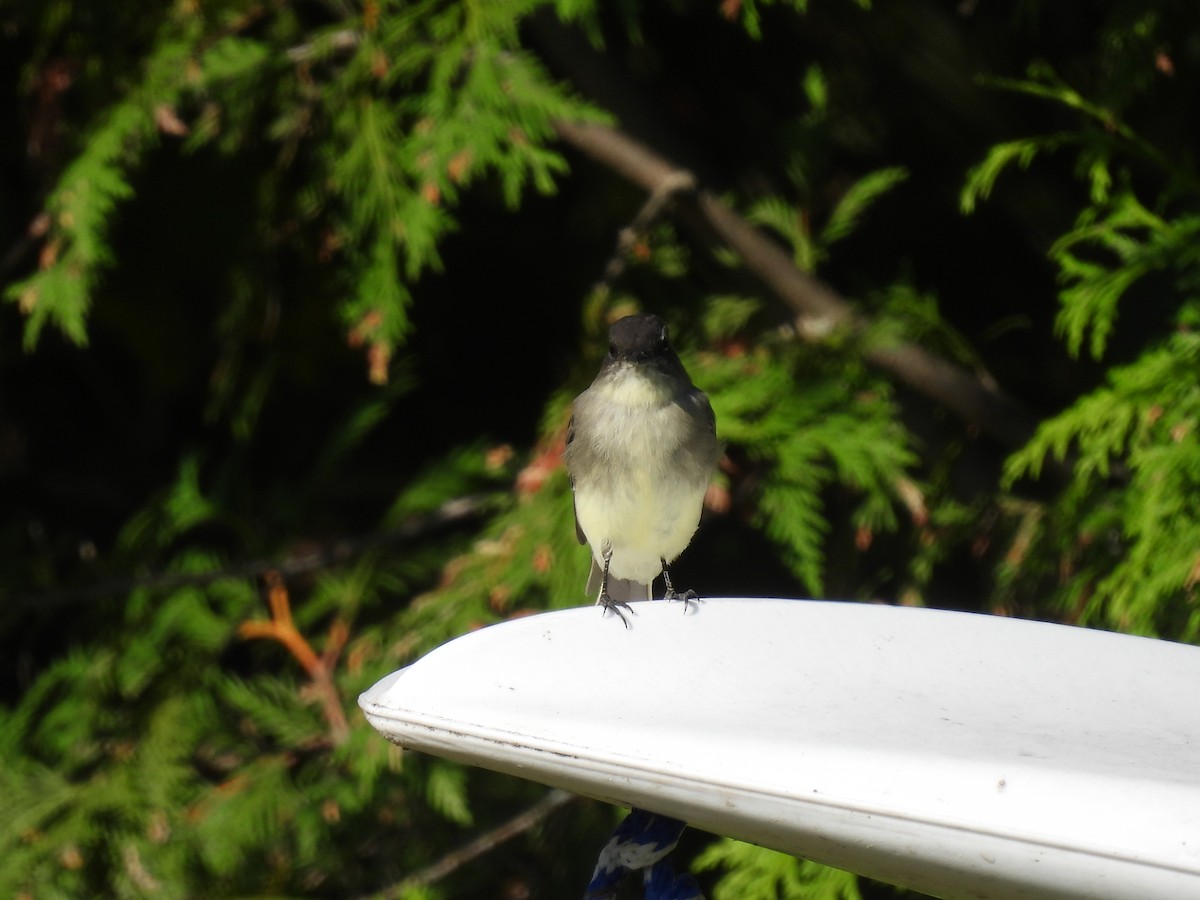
point(641, 448)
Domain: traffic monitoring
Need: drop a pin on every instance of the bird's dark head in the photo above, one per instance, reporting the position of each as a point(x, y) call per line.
point(637, 339)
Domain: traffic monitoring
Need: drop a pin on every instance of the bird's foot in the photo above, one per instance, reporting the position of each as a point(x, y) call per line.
point(614, 606)
point(688, 596)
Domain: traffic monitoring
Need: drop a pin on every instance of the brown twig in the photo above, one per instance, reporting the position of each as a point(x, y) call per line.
point(319, 669)
point(658, 200)
point(346, 39)
point(817, 308)
point(37, 229)
point(475, 848)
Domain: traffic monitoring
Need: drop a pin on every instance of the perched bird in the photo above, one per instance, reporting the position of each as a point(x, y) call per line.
point(641, 448)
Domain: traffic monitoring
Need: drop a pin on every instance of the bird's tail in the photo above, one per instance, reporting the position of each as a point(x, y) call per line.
point(621, 590)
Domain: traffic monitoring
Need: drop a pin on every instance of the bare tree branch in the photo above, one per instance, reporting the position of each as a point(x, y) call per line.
point(656, 204)
point(485, 843)
point(817, 308)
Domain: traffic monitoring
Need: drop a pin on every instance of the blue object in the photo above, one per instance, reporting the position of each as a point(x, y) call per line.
point(642, 842)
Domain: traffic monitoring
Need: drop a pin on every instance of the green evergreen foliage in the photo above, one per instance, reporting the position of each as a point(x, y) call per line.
point(296, 303)
point(89, 190)
point(1130, 442)
point(841, 430)
point(760, 874)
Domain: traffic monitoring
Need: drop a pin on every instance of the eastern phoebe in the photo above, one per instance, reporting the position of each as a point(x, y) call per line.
point(641, 448)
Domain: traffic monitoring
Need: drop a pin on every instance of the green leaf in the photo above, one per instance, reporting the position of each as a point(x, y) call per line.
point(857, 199)
point(446, 790)
point(756, 873)
point(816, 89)
point(982, 178)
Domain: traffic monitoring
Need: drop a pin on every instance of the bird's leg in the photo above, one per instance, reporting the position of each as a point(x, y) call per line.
point(671, 594)
point(606, 601)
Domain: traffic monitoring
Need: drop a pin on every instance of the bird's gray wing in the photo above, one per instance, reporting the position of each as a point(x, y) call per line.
point(701, 399)
point(578, 530)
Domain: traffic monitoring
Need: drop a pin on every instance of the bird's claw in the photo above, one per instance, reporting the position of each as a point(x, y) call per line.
point(614, 606)
point(688, 596)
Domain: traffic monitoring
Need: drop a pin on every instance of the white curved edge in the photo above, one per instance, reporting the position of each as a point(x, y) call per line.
point(955, 754)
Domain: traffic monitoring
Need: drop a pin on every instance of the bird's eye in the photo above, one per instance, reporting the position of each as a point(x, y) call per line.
point(663, 339)
point(612, 349)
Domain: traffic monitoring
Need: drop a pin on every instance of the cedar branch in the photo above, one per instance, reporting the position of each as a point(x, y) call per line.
point(282, 628)
point(817, 308)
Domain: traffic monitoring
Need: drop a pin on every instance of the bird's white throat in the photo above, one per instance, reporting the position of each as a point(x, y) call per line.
point(636, 386)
